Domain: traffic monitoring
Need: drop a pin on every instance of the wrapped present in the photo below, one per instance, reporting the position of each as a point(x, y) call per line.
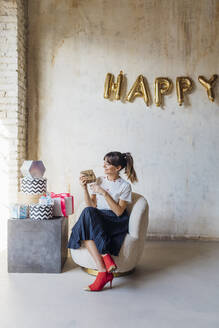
point(90, 176)
point(46, 200)
point(40, 212)
point(28, 198)
point(19, 211)
point(33, 169)
point(33, 186)
point(63, 204)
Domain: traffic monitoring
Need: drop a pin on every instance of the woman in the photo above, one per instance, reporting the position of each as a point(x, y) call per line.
point(103, 224)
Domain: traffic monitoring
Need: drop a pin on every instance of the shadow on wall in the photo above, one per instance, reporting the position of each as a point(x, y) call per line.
point(133, 25)
point(216, 92)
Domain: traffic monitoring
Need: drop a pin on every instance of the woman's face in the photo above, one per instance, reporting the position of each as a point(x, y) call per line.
point(109, 168)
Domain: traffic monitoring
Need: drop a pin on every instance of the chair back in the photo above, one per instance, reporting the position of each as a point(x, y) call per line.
point(138, 210)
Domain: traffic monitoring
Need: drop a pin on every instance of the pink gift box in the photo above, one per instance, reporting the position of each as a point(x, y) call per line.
point(63, 204)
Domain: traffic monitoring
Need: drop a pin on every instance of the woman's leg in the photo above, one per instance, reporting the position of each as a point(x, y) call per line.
point(91, 246)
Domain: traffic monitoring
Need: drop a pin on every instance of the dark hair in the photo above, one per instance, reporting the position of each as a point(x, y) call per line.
point(124, 160)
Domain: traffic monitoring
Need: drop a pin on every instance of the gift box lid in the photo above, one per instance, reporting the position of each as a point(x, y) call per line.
point(34, 169)
point(40, 206)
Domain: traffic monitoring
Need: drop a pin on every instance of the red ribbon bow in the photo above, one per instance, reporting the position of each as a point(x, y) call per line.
point(62, 198)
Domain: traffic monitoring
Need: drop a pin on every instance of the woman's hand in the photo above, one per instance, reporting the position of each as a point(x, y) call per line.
point(83, 181)
point(96, 188)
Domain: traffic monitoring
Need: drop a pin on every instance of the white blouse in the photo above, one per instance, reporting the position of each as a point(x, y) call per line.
point(118, 189)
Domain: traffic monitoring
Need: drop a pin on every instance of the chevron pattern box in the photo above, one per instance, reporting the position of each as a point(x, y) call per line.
point(33, 186)
point(40, 212)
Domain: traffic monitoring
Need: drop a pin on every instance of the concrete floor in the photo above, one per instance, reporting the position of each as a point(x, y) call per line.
point(176, 284)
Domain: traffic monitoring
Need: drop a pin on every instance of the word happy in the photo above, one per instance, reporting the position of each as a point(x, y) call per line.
point(162, 87)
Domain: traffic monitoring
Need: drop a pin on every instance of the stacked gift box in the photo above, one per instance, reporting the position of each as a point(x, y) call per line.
point(34, 201)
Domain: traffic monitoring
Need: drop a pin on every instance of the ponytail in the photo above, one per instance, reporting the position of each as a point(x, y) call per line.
point(124, 160)
point(129, 168)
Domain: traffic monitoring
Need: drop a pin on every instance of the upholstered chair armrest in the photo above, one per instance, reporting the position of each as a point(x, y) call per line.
point(138, 221)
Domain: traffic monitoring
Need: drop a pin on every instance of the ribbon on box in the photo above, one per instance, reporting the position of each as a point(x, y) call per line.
point(63, 196)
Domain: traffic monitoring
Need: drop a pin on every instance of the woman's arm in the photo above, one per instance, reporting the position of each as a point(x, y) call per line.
point(94, 200)
point(117, 208)
point(89, 200)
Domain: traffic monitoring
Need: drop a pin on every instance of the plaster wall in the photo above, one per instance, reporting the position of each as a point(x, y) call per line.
point(72, 45)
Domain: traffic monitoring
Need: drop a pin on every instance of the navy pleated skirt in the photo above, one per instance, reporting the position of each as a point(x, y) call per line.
point(104, 227)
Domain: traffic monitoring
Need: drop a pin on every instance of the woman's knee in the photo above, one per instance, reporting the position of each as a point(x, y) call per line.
point(90, 214)
point(89, 209)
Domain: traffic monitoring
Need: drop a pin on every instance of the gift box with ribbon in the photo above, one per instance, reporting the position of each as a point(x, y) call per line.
point(63, 204)
point(19, 211)
point(46, 200)
point(89, 175)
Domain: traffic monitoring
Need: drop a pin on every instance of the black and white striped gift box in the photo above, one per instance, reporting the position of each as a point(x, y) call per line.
point(33, 186)
point(40, 212)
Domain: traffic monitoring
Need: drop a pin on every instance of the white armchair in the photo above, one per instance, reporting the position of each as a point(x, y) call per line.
point(132, 246)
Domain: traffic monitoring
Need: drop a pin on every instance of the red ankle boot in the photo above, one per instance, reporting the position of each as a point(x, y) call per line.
point(101, 280)
point(109, 263)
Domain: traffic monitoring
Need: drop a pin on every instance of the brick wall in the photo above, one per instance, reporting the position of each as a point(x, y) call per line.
point(13, 85)
point(12, 97)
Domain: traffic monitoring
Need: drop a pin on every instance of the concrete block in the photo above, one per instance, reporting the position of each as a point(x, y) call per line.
point(37, 246)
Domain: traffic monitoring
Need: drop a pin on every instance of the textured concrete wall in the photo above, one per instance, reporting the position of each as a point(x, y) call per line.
point(12, 103)
point(72, 45)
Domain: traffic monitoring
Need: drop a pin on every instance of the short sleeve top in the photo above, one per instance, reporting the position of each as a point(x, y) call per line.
point(118, 189)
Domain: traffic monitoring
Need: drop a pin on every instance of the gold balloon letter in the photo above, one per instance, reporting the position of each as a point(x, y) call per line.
point(183, 86)
point(110, 86)
point(163, 86)
point(208, 84)
point(139, 89)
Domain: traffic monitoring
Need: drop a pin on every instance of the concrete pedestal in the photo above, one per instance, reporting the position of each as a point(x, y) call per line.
point(38, 246)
